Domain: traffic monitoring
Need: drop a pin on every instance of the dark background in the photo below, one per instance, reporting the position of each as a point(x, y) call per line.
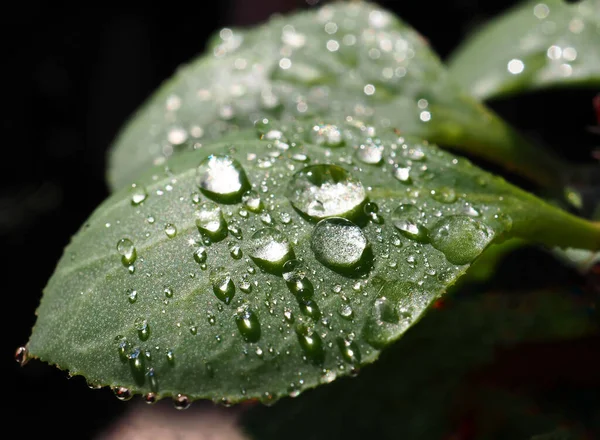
point(72, 77)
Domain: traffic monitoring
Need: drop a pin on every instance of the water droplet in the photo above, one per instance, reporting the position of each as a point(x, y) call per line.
point(346, 312)
point(170, 230)
point(200, 255)
point(320, 191)
point(460, 238)
point(181, 402)
point(122, 393)
point(168, 292)
point(127, 250)
point(370, 153)
point(311, 344)
point(402, 174)
point(153, 380)
point(222, 179)
point(170, 357)
point(222, 283)
point(138, 194)
point(143, 328)
point(385, 324)
point(248, 324)
point(406, 218)
point(150, 398)
point(327, 135)
point(372, 211)
point(349, 350)
point(309, 308)
point(252, 201)
point(444, 195)
point(296, 280)
point(22, 356)
point(210, 221)
point(136, 363)
point(193, 330)
point(342, 246)
point(132, 296)
point(235, 251)
point(270, 250)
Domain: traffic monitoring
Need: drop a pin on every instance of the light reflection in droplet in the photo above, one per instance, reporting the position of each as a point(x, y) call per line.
point(515, 66)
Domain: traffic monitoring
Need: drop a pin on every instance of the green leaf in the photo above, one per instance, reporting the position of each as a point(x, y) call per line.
point(342, 60)
point(417, 387)
point(536, 45)
point(343, 240)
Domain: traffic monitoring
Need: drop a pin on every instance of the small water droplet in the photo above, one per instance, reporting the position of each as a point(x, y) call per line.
point(127, 250)
point(296, 280)
point(444, 195)
point(406, 218)
point(138, 194)
point(222, 179)
point(143, 328)
point(200, 255)
point(321, 191)
point(22, 355)
point(223, 286)
point(150, 398)
point(460, 238)
point(370, 153)
point(210, 221)
point(181, 402)
point(252, 201)
point(327, 135)
point(132, 295)
point(170, 357)
point(248, 324)
point(235, 251)
point(170, 230)
point(349, 350)
point(346, 312)
point(168, 292)
point(342, 246)
point(153, 380)
point(270, 250)
point(402, 174)
point(122, 393)
point(311, 344)
point(309, 308)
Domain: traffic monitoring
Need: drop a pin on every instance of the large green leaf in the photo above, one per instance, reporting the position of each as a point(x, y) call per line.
point(417, 387)
point(537, 45)
point(185, 284)
point(342, 60)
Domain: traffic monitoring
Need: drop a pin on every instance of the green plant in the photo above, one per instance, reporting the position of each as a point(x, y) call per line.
point(291, 217)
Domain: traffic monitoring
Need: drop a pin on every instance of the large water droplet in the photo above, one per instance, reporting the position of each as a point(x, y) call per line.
point(311, 344)
point(444, 195)
point(222, 283)
point(309, 308)
point(181, 402)
point(270, 250)
point(222, 179)
point(210, 221)
point(136, 363)
point(320, 191)
point(127, 250)
point(407, 219)
point(248, 324)
point(150, 398)
point(342, 246)
point(460, 238)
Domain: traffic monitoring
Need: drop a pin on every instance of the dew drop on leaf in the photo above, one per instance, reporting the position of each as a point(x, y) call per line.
point(311, 344)
point(402, 174)
point(210, 221)
point(170, 230)
point(150, 398)
point(200, 255)
point(222, 284)
point(127, 250)
point(248, 324)
point(444, 195)
point(327, 135)
point(296, 280)
point(349, 350)
point(252, 201)
point(22, 355)
point(320, 191)
point(341, 245)
point(168, 292)
point(270, 250)
point(222, 179)
point(460, 238)
point(143, 329)
point(181, 402)
point(309, 308)
point(370, 153)
point(122, 393)
point(138, 194)
point(406, 218)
